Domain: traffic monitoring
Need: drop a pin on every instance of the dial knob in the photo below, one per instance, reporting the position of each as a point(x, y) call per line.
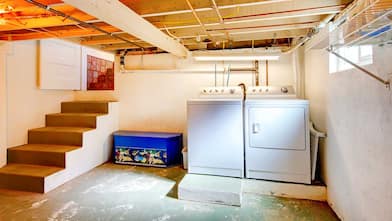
point(284, 90)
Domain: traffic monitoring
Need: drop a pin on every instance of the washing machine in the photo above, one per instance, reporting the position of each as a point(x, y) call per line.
point(277, 135)
point(215, 132)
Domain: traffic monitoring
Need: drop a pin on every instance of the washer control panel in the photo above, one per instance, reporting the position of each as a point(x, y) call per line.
point(222, 92)
point(270, 91)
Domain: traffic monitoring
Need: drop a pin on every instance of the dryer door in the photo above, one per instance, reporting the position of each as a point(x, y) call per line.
point(277, 128)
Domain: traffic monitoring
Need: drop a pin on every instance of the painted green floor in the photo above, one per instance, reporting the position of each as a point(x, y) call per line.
point(116, 192)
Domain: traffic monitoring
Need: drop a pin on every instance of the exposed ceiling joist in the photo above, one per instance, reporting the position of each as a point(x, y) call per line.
point(130, 22)
point(106, 40)
point(62, 32)
point(229, 22)
point(227, 6)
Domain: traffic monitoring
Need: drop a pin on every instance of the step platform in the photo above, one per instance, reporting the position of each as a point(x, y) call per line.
point(211, 189)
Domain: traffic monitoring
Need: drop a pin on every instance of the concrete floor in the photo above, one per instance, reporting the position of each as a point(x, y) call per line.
point(116, 192)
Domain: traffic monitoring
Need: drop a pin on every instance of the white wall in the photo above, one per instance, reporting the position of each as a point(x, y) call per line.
point(3, 107)
point(154, 101)
point(356, 113)
point(26, 104)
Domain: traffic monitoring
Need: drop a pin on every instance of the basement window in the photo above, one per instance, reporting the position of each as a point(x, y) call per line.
point(361, 55)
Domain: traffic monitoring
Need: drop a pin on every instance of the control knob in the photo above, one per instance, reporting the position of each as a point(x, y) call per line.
point(284, 90)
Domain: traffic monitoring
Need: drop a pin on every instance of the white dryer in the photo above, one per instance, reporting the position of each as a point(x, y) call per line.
point(277, 135)
point(215, 132)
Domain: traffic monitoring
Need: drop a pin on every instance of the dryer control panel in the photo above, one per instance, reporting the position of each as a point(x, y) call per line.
point(270, 92)
point(221, 92)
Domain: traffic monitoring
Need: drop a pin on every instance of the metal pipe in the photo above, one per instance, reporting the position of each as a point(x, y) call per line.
point(228, 76)
point(215, 76)
point(256, 69)
point(242, 69)
point(262, 26)
point(291, 49)
point(80, 22)
point(266, 73)
point(286, 11)
point(385, 82)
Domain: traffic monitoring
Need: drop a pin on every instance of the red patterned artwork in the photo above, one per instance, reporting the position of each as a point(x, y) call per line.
point(100, 74)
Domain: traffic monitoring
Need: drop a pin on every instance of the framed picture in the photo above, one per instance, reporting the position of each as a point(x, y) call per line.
point(100, 74)
point(97, 70)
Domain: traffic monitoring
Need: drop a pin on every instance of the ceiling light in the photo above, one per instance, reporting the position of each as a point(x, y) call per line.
point(237, 58)
point(3, 21)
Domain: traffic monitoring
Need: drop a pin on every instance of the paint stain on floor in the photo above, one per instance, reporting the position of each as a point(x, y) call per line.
point(118, 192)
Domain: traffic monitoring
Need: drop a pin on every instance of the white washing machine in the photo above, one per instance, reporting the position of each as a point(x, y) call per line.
point(215, 132)
point(277, 135)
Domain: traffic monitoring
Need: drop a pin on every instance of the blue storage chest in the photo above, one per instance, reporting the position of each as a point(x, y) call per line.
point(147, 148)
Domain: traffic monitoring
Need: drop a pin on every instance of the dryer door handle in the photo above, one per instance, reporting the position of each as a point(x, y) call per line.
point(255, 128)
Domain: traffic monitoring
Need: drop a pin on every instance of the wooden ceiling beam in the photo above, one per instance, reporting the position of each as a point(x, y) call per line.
point(130, 22)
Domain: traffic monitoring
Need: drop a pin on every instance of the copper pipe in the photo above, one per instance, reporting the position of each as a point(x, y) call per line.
point(242, 69)
point(266, 72)
point(286, 11)
point(262, 26)
point(257, 73)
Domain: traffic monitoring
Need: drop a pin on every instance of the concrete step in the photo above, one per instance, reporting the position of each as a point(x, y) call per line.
point(85, 107)
point(57, 135)
point(40, 154)
point(72, 120)
point(26, 177)
point(211, 189)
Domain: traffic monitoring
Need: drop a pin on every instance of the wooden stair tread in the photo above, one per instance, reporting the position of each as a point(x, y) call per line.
point(53, 148)
point(78, 114)
point(93, 101)
point(29, 170)
point(62, 129)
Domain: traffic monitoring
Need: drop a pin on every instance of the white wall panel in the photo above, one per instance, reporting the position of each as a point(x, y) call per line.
point(60, 65)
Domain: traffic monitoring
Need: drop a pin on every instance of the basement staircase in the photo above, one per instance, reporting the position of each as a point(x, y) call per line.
point(72, 143)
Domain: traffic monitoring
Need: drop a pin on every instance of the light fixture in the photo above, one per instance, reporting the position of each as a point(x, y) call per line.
point(236, 57)
point(3, 21)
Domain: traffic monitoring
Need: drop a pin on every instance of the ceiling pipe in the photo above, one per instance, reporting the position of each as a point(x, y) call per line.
point(80, 22)
point(286, 11)
point(261, 26)
point(130, 22)
point(310, 34)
